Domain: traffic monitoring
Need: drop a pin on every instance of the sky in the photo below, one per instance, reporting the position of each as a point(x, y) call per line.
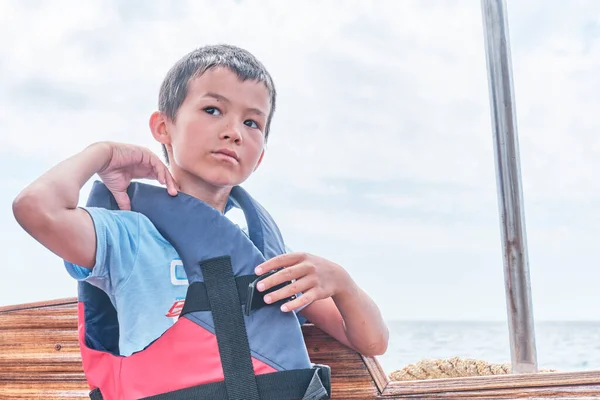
point(380, 156)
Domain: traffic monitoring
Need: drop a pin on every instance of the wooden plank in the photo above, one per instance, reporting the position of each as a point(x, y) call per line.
point(12, 336)
point(562, 392)
point(68, 301)
point(50, 319)
point(478, 383)
point(27, 349)
point(42, 376)
point(377, 373)
point(349, 374)
point(29, 390)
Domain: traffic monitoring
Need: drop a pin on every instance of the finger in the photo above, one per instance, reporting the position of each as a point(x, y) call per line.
point(285, 275)
point(172, 187)
point(164, 176)
point(160, 173)
point(122, 200)
point(157, 168)
point(301, 301)
point(284, 260)
point(302, 285)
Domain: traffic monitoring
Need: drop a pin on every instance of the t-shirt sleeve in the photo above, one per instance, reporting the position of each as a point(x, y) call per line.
point(117, 244)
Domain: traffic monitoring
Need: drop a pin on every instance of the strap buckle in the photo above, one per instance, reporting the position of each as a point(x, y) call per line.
point(324, 372)
point(256, 299)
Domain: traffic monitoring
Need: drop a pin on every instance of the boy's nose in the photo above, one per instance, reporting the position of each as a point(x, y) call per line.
point(232, 133)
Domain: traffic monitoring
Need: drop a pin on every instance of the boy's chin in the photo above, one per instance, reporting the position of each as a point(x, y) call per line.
point(223, 180)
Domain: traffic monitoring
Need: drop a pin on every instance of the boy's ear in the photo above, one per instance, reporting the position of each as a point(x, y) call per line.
point(158, 127)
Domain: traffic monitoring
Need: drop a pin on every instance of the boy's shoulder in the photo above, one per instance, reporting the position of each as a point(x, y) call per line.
point(124, 224)
point(131, 227)
point(137, 222)
point(124, 240)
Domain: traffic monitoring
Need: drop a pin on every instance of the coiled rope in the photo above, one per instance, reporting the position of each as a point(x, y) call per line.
point(450, 368)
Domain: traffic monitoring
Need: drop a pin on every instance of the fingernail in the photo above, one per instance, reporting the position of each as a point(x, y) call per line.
point(258, 271)
point(261, 286)
point(267, 299)
point(284, 308)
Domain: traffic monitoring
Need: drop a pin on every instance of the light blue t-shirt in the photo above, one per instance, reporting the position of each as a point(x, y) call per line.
point(140, 272)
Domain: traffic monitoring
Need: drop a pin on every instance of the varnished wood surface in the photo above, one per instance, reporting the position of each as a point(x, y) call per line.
point(67, 301)
point(541, 380)
point(39, 359)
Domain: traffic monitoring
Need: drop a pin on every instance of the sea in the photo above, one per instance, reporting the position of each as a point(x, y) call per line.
point(562, 346)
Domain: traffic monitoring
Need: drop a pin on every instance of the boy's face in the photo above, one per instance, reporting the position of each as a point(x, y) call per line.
point(218, 134)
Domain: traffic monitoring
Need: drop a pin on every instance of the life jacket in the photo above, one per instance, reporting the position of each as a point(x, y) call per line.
point(218, 348)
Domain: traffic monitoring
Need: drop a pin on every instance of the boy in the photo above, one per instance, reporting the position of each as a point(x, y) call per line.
point(215, 110)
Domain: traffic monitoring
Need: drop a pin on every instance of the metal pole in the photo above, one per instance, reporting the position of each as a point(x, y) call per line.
point(510, 194)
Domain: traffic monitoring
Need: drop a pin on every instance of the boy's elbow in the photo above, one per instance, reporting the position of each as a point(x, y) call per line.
point(21, 206)
point(381, 349)
point(28, 209)
point(376, 349)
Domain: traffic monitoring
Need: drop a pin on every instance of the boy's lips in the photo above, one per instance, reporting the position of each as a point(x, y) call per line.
point(227, 153)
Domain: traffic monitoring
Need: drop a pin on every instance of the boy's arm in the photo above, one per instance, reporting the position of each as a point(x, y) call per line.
point(332, 300)
point(352, 318)
point(47, 209)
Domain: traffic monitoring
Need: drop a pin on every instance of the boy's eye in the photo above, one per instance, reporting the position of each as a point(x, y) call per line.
point(251, 124)
point(212, 111)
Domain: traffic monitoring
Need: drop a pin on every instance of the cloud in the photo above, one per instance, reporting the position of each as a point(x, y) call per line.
point(381, 153)
point(36, 94)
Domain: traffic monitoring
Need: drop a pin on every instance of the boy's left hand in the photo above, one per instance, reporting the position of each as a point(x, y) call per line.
point(316, 277)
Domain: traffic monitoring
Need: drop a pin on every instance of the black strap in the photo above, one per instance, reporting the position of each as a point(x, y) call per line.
point(230, 329)
point(306, 384)
point(196, 298)
point(283, 385)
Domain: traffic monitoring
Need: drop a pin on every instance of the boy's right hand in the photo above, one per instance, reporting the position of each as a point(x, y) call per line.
point(126, 162)
point(48, 208)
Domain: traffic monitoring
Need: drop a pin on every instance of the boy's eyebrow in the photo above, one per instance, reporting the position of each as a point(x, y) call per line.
point(224, 99)
point(217, 96)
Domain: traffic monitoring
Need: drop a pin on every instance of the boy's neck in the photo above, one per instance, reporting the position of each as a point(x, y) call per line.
point(212, 195)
